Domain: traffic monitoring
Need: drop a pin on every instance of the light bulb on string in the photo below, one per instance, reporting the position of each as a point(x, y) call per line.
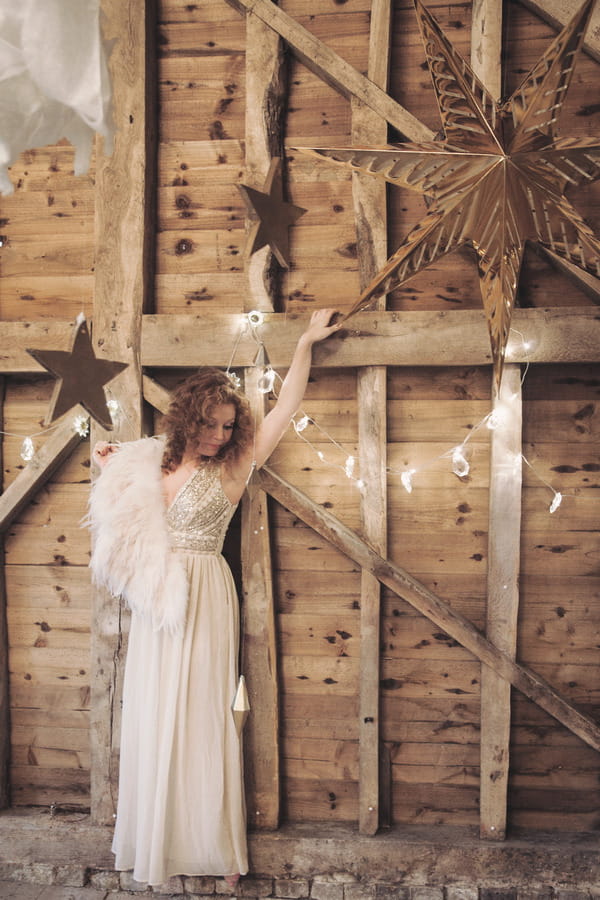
point(114, 408)
point(557, 500)
point(301, 424)
point(27, 450)
point(235, 380)
point(255, 318)
point(349, 467)
point(266, 381)
point(460, 465)
point(406, 479)
point(493, 420)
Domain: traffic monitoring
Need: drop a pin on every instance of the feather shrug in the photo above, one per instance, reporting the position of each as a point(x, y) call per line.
point(132, 555)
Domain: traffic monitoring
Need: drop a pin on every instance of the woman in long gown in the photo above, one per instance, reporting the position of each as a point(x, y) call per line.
point(159, 513)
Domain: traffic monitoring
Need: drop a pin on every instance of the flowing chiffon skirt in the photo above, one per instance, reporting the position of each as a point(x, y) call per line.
point(181, 804)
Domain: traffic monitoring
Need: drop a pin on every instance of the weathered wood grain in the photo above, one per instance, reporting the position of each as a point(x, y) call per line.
point(318, 57)
point(125, 251)
point(431, 606)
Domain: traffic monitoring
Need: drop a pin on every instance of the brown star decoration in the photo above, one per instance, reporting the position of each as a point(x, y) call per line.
point(81, 377)
point(496, 180)
point(273, 215)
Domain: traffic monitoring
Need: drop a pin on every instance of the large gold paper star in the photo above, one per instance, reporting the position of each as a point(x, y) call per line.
point(81, 378)
point(497, 179)
point(272, 215)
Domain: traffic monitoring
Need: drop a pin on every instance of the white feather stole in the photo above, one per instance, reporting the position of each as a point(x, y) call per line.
point(131, 553)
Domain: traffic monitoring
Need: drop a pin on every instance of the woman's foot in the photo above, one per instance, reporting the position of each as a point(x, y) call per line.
point(232, 880)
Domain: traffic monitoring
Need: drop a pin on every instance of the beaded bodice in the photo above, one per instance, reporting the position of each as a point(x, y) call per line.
point(198, 517)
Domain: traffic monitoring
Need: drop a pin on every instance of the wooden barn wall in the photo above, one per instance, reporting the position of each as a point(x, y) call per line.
point(47, 271)
point(430, 686)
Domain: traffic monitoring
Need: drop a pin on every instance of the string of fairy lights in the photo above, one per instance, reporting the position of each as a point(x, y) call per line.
point(268, 382)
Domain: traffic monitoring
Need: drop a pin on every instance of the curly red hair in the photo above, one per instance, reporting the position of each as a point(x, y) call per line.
point(190, 409)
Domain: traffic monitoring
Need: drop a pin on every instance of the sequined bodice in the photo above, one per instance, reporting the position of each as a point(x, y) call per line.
point(198, 517)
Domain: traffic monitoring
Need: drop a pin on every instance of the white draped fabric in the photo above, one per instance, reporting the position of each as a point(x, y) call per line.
point(54, 80)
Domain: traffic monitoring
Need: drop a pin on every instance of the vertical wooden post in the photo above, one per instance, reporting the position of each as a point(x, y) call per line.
point(125, 186)
point(265, 97)
point(4, 683)
point(505, 507)
point(502, 601)
point(369, 197)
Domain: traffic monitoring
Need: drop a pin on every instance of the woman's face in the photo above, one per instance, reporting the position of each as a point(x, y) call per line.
point(217, 430)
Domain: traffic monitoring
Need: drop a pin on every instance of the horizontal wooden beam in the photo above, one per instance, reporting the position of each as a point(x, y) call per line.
point(56, 448)
point(568, 335)
point(428, 604)
point(325, 63)
point(411, 338)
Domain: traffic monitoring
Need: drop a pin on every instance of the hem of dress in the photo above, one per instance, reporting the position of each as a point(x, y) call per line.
point(181, 874)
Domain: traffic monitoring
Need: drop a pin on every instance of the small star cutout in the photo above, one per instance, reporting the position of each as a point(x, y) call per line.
point(274, 215)
point(81, 378)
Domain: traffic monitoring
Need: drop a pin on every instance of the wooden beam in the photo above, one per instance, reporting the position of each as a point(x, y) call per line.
point(411, 338)
point(56, 448)
point(504, 544)
point(319, 58)
point(504, 530)
point(558, 12)
point(486, 44)
point(265, 115)
point(5, 732)
point(125, 185)
point(429, 604)
point(370, 211)
point(566, 335)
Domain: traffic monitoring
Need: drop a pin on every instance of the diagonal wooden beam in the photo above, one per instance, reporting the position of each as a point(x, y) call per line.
point(36, 473)
point(343, 77)
point(558, 12)
point(430, 605)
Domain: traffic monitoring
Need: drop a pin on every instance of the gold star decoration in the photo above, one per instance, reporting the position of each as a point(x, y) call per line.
point(495, 181)
point(81, 377)
point(272, 215)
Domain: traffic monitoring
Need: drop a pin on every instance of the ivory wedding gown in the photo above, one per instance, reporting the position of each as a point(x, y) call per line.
point(181, 804)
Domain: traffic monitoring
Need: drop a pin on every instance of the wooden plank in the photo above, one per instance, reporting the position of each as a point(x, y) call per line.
point(388, 338)
point(370, 212)
point(504, 506)
point(124, 277)
point(319, 58)
point(4, 647)
point(426, 602)
point(266, 81)
point(410, 338)
point(503, 601)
